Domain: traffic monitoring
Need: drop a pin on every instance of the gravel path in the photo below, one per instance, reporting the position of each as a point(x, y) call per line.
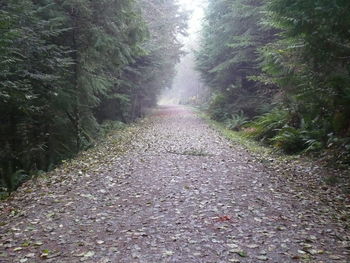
point(181, 194)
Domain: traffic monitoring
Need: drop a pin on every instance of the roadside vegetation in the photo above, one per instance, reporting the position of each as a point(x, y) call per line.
point(70, 70)
point(279, 72)
point(318, 173)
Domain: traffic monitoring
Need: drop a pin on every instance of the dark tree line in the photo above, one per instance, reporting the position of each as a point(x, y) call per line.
point(280, 70)
point(68, 66)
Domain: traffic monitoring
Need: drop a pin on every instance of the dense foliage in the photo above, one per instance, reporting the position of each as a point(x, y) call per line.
point(68, 66)
point(283, 64)
point(228, 57)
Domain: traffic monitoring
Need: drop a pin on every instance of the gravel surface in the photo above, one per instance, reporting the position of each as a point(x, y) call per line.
point(180, 193)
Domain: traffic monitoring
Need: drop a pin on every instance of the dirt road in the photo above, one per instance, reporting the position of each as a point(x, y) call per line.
point(181, 193)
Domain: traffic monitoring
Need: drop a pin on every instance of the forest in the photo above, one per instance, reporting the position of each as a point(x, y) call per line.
point(72, 69)
point(279, 72)
point(167, 131)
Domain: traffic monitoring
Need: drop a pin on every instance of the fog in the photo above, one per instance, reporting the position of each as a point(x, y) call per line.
point(186, 85)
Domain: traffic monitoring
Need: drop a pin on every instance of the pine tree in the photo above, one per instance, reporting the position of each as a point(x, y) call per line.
point(29, 79)
point(67, 65)
point(152, 70)
point(309, 62)
point(228, 57)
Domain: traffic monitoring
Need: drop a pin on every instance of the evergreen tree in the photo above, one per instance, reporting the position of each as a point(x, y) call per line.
point(68, 65)
point(315, 42)
point(228, 57)
point(291, 54)
point(153, 70)
point(310, 65)
point(31, 73)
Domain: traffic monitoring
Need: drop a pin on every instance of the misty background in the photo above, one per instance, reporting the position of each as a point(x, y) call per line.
point(187, 86)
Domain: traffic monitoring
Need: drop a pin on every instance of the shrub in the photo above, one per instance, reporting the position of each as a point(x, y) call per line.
point(266, 126)
point(236, 121)
point(109, 126)
point(218, 107)
point(11, 182)
point(289, 140)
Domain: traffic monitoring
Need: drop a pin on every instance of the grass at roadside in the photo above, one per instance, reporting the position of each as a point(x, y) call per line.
point(238, 138)
point(307, 167)
point(115, 141)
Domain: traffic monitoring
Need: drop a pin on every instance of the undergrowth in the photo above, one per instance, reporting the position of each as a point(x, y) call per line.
point(17, 178)
point(272, 134)
point(235, 136)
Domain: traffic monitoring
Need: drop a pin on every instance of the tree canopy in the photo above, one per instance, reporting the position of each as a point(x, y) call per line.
point(283, 67)
point(69, 66)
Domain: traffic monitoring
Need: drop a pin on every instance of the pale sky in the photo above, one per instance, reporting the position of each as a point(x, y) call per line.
point(196, 8)
point(187, 78)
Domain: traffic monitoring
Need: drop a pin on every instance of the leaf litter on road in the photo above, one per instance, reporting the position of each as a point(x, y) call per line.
point(172, 189)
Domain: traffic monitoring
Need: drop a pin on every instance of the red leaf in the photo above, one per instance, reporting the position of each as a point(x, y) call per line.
point(223, 218)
